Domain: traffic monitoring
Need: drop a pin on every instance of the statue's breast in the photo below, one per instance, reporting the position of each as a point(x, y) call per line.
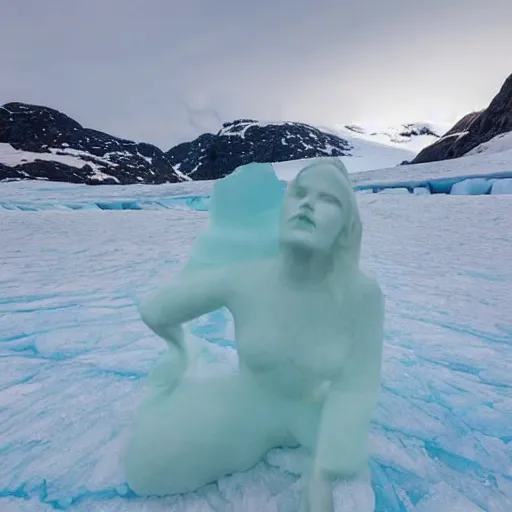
point(311, 343)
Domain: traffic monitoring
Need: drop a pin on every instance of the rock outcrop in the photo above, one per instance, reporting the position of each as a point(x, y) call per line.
point(473, 129)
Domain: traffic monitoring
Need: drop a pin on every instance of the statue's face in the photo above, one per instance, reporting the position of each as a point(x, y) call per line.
point(314, 210)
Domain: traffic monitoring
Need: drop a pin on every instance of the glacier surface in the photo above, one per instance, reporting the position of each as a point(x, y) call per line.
point(74, 353)
point(181, 196)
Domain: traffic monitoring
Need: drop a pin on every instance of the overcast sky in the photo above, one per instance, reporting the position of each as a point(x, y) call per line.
point(164, 71)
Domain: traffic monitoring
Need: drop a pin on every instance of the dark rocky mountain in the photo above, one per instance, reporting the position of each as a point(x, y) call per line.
point(246, 140)
point(42, 143)
point(473, 129)
point(38, 142)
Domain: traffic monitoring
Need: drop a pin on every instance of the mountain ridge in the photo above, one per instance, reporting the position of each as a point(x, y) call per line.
point(38, 142)
point(473, 129)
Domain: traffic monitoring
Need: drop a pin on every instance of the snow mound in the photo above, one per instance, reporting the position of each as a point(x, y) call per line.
point(502, 142)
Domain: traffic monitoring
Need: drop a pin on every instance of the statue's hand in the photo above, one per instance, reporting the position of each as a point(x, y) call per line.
point(170, 369)
point(317, 496)
point(174, 336)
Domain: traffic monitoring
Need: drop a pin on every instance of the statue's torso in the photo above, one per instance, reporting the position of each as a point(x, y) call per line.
point(292, 341)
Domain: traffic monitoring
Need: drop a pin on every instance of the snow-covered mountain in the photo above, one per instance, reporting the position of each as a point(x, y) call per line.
point(42, 143)
point(411, 136)
point(247, 140)
point(474, 129)
point(381, 148)
point(38, 142)
point(242, 141)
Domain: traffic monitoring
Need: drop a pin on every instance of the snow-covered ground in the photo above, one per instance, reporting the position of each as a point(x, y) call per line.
point(74, 356)
point(45, 195)
point(74, 353)
point(502, 142)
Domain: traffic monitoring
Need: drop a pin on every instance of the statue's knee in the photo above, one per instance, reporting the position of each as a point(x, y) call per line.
point(145, 471)
point(138, 475)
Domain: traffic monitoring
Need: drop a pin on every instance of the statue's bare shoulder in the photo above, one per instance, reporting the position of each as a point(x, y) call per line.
point(370, 290)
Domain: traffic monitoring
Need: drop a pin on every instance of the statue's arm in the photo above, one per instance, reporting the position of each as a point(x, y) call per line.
point(341, 449)
point(188, 296)
point(349, 407)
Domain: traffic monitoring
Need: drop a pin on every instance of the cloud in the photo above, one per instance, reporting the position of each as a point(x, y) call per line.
point(164, 71)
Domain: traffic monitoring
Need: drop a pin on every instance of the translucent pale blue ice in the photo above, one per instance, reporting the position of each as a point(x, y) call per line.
point(244, 218)
point(460, 185)
point(199, 203)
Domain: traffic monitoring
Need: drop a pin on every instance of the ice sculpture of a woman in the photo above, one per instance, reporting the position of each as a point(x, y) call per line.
point(309, 336)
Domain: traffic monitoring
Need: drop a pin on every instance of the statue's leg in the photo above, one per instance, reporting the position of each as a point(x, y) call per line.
point(203, 430)
point(354, 494)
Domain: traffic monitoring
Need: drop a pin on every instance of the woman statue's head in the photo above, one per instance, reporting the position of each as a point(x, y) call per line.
point(320, 213)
